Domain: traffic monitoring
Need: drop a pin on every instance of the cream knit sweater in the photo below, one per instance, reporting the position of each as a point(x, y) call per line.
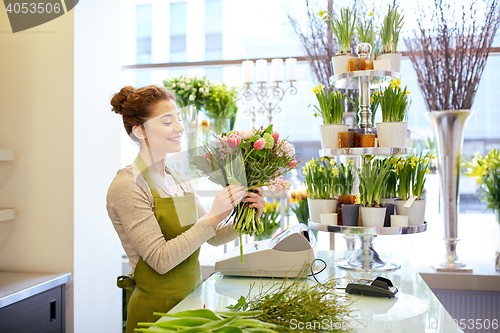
point(130, 207)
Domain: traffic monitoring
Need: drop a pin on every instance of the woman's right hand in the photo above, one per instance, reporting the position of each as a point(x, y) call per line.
point(224, 203)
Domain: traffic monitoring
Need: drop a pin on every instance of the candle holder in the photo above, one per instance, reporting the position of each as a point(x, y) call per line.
point(268, 96)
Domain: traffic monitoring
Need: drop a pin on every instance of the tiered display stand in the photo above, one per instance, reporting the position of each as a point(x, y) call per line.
point(365, 258)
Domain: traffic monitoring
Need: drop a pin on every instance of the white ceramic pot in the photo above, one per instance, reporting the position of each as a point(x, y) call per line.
point(400, 210)
point(321, 206)
point(394, 58)
point(416, 212)
point(330, 135)
point(382, 65)
point(399, 221)
point(392, 134)
point(372, 216)
point(341, 63)
point(329, 218)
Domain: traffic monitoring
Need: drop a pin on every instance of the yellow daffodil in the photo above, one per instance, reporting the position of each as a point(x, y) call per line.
point(321, 170)
point(323, 14)
point(407, 92)
point(319, 88)
point(433, 157)
point(372, 100)
point(395, 83)
point(335, 171)
point(427, 170)
point(375, 92)
point(371, 13)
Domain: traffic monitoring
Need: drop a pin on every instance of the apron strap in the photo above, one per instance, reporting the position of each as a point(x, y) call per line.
point(184, 189)
point(145, 172)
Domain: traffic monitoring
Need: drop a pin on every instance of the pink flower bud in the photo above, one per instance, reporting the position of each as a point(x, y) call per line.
point(234, 140)
point(259, 144)
point(276, 136)
point(207, 156)
point(292, 163)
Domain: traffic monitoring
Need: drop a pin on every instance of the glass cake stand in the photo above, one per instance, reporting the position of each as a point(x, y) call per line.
point(366, 259)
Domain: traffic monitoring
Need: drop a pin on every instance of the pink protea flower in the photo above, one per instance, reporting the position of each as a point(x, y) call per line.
point(234, 140)
point(292, 163)
point(259, 144)
point(276, 136)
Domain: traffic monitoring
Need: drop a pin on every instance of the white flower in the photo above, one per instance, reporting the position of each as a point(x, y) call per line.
point(201, 89)
point(183, 85)
point(193, 90)
point(173, 85)
point(246, 134)
point(192, 97)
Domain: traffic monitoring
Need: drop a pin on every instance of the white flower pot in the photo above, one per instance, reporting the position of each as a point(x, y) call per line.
point(399, 221)
point(372, 216)
point(330, 135)
point(392, 134)
point(321, 206)
point(416, 212)
point(394, 58)
point(382, 65)
point(341, 63)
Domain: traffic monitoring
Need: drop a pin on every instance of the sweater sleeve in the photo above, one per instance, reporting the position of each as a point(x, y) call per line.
point(132, 206)
point(222, 234)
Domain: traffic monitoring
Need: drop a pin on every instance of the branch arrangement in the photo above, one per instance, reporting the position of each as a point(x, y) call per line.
point(450, 57)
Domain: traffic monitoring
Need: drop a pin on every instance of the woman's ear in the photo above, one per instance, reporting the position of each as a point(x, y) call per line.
point(139, 132)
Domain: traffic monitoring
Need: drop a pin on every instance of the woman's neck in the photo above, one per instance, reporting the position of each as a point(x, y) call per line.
point(154, 163)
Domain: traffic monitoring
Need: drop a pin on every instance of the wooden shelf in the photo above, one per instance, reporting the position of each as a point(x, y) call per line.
point(6, 155)
point(7, 214)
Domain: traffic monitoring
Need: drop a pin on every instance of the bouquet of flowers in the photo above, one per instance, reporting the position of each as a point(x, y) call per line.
point(221, 107)
point(487, 171)
point(189, 90)
point(253, 158)
point(270, 219)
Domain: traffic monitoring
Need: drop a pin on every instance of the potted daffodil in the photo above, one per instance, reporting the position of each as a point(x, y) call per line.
point(343, 28)
point(321, 176)
point(372, 190)
point(389, 33)
point(331, 109)
point(394, 104)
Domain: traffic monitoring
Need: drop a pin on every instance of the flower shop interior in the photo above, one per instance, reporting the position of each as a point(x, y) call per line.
point(327, 76)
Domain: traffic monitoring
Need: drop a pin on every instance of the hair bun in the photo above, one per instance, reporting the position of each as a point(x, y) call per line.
point(119, 98)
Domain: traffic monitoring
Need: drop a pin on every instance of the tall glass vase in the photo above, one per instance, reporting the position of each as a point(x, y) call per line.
point(190, 122)
point(220, 125)
point(449, 128)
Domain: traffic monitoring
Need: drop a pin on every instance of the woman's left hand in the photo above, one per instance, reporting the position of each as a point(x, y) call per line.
point(256, 200)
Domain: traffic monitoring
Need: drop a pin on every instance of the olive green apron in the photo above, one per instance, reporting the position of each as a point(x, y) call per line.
point(156, 292)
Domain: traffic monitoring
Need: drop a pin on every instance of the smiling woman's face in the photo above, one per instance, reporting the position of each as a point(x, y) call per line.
point(164, 130)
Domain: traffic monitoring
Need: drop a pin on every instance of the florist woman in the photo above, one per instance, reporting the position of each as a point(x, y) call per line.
point(155, 210)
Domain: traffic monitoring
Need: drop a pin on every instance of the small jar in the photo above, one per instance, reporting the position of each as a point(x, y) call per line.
point(347, 139)
point(368, 64)
point(367, 140)
point(356, 64)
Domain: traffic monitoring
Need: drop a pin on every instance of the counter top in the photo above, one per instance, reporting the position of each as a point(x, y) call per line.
point(15, 287)
point(415, 307)
point(483, 277)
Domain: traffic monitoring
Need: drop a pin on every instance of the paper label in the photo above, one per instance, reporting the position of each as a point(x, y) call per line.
point(410, 201)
